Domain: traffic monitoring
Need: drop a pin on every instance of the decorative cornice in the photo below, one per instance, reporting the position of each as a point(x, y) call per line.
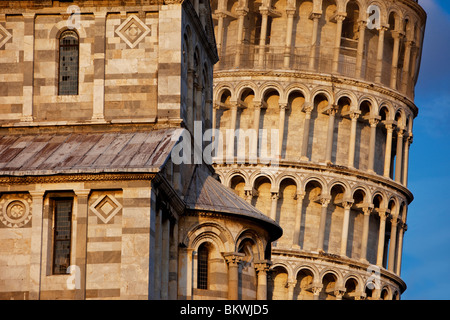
point(16, 180)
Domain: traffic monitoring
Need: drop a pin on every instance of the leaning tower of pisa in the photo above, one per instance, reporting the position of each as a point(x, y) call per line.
point(314, 102)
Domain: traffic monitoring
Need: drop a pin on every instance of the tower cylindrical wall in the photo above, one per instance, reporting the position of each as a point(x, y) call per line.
point(314, 104)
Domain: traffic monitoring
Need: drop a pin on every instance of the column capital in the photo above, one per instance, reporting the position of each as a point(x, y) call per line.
point(317, 289)
point(82, 192)
point(315, 15)
point(383, 213)
point(290, 12)
point(264, 10)
point(394, 220)
point(299, 196)
point(354, 114)
point(248, 194)
point(262, 266)
point(283, 106)
point(347, 204)
point(383, 28)
point(257, 105)
point(338, 17)
point(242, 11)
point(36, 193)
point(400, 131)
point(338, 293)
point(367, 210)
point(373, 121)
point(325, 200)
point(275, 195)
point(397, 34)
point(307, 107)
point(233, 258)
point(220, 14)
point(405, 227)
point(389, 125)
point(362, 23)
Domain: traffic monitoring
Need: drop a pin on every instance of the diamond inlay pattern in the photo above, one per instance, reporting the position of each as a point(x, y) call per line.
point(106, 207)
point(4, 36)
point(132, 31)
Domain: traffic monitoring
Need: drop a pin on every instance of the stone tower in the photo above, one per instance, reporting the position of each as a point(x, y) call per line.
point(314, 102)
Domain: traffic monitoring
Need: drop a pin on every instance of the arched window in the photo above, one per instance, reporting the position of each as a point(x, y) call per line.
point(68, 63)
point(202, 266)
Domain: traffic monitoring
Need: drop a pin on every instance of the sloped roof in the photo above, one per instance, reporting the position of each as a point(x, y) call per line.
point(208, 194)
point(68, 153)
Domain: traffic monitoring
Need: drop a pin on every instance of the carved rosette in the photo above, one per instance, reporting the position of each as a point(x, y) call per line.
point(15, 210)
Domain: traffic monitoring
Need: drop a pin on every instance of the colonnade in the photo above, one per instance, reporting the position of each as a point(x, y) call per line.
point(406, 40)
point(397, 143)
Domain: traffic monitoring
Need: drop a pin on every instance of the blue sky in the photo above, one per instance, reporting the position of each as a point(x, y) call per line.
point(426, 251)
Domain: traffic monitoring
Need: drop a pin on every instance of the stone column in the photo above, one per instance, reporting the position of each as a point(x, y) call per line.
point(220, 17)
point(317, 289)
point(381, 233)
point(254, 146)
point(408, 142)
point(262, 39)
point(344, 235)
point(298, 219)
point(360, 49)
point(287, 50)
point(213, 124)
point(397, 35)
point(185, 269)
point(388, 150)
point(399, 154)
point(392, 243)
point(165, 259)
point(158, 255)
point(339, 293)
point(241, 12)
point(99, 66)
point(262, 267)
point(273, 208)
point(415, 50)
point(283, 108)
point(173, 262)
point(231, 134)
point(233, 259)
point(380, 48)
point(406, 65)
point(28, 66)
point(81, 240)
point(373, 134)
point(365, 235)
point(354, 115)
point(291, 286)
point(36, 244)
point(401, 233)
point(315, 16)
point(325, 200)
point(329, 146)
point(337, 41)
point(307, 107)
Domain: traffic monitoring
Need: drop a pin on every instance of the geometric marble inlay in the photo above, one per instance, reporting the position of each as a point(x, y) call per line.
point(105, 208)
point(132, 31)
point(15, 210)
point(4, 36)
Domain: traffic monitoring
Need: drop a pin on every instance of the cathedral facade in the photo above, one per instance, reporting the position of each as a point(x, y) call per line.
point(99, 197)
point(318, 96)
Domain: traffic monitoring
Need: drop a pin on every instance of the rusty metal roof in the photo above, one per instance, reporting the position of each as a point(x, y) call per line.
point(68, 153)
point(207, 194)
